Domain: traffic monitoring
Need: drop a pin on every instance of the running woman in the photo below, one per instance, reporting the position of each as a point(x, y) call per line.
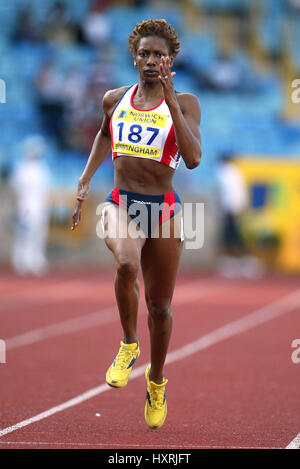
point(149, 127)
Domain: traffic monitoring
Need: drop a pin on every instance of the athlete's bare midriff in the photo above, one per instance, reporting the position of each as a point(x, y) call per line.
point(142, 176)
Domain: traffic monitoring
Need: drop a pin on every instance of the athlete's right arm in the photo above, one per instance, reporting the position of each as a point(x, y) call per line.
point(99, 151)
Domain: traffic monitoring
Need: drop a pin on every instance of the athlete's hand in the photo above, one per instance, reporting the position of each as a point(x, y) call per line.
point(166, 78)
point(76, 215)
point(82, 193)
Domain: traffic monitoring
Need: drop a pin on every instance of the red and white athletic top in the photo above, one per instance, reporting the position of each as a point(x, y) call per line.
point(143, 133)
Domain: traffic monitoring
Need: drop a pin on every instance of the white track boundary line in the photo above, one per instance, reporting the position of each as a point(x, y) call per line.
point(116, 445)
point(259, 316)
point(295, 443)
point(103, 316)
point(35, 295)
point(70, 326)
point(58, 291)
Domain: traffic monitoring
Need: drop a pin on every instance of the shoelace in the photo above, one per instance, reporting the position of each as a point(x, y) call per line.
point(123, 359)
point(157, 397)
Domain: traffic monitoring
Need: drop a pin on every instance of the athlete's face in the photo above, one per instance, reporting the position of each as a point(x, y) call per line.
point(148, 56)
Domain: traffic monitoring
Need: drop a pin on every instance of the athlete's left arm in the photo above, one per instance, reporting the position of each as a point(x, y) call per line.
point(186, 115)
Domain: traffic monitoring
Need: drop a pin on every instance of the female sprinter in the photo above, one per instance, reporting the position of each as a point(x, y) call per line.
point(149, 127)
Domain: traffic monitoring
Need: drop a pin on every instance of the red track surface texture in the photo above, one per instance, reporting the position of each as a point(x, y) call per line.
point(232, 381)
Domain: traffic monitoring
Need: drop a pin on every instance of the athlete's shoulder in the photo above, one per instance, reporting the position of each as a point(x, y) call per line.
point(111, 97)
point(188, 101)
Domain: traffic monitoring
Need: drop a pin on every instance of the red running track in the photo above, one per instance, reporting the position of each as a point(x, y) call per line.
point(232, 382)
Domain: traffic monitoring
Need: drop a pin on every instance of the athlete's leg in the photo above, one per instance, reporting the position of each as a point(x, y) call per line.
point(127, 254)
point(160, 260)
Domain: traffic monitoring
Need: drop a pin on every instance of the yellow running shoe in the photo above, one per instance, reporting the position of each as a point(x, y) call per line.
point(156, 403)
point(119, 372)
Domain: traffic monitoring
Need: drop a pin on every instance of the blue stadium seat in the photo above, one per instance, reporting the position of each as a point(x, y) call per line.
point(198, 49)
point(124, 19)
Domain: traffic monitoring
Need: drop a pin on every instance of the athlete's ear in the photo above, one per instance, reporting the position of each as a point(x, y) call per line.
point(134, 63)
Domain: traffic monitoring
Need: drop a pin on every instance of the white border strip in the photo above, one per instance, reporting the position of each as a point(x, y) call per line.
point(295, 443)
point(185, 294)
point(260, 316)
point(70, 326)
point(129, 446)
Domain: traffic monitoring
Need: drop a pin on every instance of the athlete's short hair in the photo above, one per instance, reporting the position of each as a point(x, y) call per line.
point(158, 28)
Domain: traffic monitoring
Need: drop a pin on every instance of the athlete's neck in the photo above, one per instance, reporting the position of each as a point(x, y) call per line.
point(146, 91)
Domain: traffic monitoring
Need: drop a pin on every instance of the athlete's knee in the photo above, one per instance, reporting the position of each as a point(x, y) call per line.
point(127, 268)
point(159, 310)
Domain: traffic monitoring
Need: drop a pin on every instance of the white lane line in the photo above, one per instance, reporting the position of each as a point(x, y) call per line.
point(120, 445)
point(260, 316)
point(14, 289)
point(44, 294)
point(104, 316)
point(69, 326)
point(75, 289)
point(295, 443)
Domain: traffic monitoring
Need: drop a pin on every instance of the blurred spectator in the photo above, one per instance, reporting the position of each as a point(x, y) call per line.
point(30, 184)
point(140, 3)
point(234, 201)
point(27, 29)
point(74, 89)
point(229, 73)
point(96, 25)
point(294, 6)
point(51, 101)
point(84, 93)
point(60, 28)
point(224, 74)
point(237, 7)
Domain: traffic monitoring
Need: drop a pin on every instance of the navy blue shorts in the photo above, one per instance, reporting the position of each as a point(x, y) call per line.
point(148, 211)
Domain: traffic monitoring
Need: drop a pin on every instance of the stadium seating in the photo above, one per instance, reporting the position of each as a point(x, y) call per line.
point(243, 121)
